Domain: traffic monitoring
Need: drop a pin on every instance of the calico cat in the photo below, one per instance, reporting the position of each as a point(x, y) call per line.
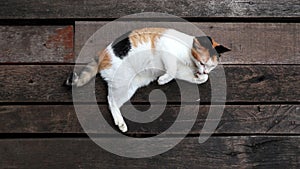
point(144, 55)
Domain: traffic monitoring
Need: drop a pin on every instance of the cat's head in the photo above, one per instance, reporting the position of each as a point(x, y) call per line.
point(206, 53)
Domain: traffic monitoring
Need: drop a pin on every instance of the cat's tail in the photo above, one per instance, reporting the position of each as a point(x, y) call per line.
point(103, 61)
point(87, 73)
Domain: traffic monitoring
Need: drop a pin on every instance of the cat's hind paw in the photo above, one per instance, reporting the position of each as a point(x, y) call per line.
point(123, 127)
point(72, 79)
point(119, 121)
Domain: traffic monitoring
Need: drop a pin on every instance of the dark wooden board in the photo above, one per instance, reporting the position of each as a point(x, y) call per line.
point(36, 44)
point(263, 43)
point(217, 152)
point(251, 43)
point(260, 124)
point(16, 9)
point(245, 83)
point(256, 119)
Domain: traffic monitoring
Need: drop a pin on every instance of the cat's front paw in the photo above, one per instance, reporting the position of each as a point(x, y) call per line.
point(164, 79)
point(72, 79)
point(201, 78)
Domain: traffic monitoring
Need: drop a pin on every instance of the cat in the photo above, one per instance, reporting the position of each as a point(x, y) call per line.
point(144, 55)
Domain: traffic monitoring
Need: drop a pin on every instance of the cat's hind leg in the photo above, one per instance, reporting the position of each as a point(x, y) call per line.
point(116, 114)
point(116, 98)
point(84, 77)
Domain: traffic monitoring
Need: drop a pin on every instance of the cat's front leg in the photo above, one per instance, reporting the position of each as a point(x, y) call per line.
point(165, 79)
point(170, 65)
point(190, 77)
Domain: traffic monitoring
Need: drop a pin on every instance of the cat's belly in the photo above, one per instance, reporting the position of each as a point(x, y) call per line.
point(138, 70)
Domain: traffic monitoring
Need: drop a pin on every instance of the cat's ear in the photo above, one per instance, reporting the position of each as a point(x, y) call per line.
point(222, 49)
point(196, 44)
point(219, 48)
point(202, 42)
point(200, 50)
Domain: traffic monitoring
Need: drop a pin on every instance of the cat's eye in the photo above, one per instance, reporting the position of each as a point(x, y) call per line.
point(201, 63)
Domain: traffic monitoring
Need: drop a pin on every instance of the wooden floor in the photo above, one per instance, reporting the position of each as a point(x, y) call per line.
point(260, 126)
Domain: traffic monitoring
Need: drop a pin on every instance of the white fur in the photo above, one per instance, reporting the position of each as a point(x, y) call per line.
point(171, 59)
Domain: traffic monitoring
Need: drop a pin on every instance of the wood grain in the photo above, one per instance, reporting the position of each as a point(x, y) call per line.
point(225, 152)
point(262, 43)
point(260, 125)
point(251, 43)
point(245, 83)
point(36, 44)
point(250, 119)
point(30, 9)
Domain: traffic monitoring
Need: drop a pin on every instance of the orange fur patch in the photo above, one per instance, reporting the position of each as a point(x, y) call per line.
point(215, 58)
point(145, 35)
point(199, 52)
point(201, 57)
point(195, 54)
point(214, 43)
point(104, 60)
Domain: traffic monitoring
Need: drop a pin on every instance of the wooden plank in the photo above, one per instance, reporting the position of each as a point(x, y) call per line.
point(251, 43)
point(55, 43)
point(254, 119)
point(36, 44)
point(225, 152)
point(30, 9)
point(245, 83)
point(39, 119)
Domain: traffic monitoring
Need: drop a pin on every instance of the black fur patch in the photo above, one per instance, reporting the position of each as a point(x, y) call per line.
point(206, 42)
point(221, 49)
point(121, 46)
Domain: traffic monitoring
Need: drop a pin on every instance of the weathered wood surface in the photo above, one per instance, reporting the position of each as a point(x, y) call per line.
point(246, 83)
point(36, 44)
point(252, 119)
point(260, 125)
point(251, 43)
point(30, 9)
point(262, 43)
point(217, 152)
